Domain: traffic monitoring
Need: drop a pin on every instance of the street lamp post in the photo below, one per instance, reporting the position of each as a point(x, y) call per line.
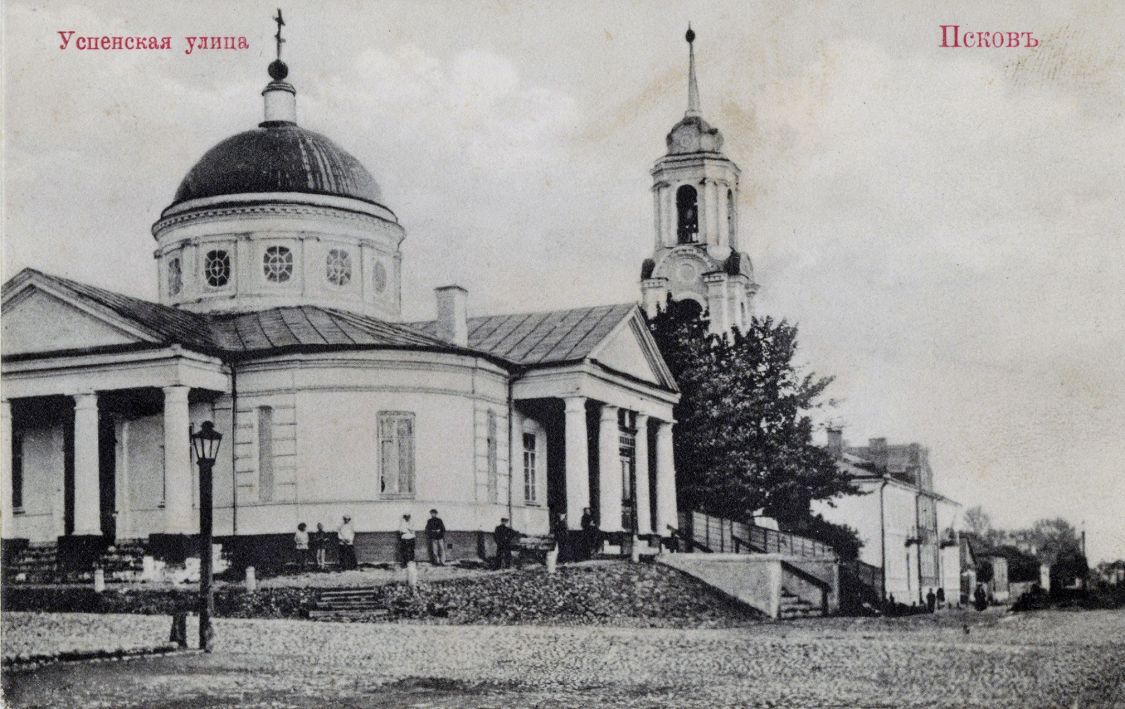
point(205, 443)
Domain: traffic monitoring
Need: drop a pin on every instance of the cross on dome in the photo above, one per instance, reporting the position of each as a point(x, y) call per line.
point(277, 69)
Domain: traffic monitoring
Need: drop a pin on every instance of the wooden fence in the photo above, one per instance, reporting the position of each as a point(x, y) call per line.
point(716, 534)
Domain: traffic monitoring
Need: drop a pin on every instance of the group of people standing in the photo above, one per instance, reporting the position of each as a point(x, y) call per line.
point(312, 548)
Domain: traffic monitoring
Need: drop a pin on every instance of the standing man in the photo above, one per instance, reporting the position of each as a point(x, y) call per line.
point(435, 538)
point(345, 536)
point(591, 535)
point(405, 541)
point(503, 535)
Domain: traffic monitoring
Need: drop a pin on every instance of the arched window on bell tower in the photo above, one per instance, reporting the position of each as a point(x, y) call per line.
point(687, 210)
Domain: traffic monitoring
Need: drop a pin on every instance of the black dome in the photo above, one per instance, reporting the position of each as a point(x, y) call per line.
point(279, 157)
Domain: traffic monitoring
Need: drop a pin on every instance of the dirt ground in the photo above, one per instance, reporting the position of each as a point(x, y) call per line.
point(952, 659)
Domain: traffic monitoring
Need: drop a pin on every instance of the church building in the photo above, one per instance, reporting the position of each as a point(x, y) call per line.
point(279, 265)
point(698, 254)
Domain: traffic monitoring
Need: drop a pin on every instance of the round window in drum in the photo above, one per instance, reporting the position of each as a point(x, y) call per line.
point(277, 264)
point(216, 268)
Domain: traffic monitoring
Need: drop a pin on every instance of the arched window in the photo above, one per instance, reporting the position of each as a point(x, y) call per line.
point(687, 209)
point(730, 218)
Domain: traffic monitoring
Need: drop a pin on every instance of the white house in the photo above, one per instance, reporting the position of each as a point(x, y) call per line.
point(909, 531)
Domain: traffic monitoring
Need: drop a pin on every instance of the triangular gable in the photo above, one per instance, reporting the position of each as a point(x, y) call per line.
point(38, 318)
point(629, 349)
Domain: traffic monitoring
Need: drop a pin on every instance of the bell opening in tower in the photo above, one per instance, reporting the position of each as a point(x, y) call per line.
point(687, 209)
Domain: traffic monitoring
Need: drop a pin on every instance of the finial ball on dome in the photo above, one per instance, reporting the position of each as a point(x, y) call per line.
point(278, 70)
point(690, 36)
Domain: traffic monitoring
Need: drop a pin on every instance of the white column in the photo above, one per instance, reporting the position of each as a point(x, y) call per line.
point(706, 213)
point(721, 220)
point(671, 220)
point(87, 498)
point(609, 471)
point(717, 311)
point(644, 521)
point(657, 221)
point(577, 462)
point(177, 461)
point(6, 511)
point(665, 480)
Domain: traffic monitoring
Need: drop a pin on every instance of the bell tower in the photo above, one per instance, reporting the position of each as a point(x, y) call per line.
point(698, 252)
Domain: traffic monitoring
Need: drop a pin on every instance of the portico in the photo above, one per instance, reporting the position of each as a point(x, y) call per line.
point(71, 418)
point(617, 420)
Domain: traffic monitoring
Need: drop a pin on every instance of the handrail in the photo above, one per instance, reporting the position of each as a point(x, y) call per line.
point(718, 534)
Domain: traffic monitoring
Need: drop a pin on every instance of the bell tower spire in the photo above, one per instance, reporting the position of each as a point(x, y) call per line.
point(693, 85)
point(698, 253)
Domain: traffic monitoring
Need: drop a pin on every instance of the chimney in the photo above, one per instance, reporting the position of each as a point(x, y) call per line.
point(877, 448)
point(452, 314)
point(836, 442)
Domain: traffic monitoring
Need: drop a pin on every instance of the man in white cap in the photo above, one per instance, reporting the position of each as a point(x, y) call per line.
point(345, 535)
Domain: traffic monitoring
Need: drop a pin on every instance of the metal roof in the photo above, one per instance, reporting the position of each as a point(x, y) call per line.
point(246, 333)
point(278, 158)
point(543, 337)
point(521, 339)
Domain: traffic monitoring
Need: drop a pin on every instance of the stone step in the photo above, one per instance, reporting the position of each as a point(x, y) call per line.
point(317, 613)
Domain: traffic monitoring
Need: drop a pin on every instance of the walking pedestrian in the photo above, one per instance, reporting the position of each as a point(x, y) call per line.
point(931, 600)
point(319, 543)
point(405, 541)
point(301, 544)
point(941, 597)
point(345, 539)
point(435, 538)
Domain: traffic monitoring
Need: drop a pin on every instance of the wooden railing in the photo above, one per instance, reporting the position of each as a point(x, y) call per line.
point(723, 535)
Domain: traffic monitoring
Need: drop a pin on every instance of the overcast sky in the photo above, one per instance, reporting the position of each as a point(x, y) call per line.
point(945, 225)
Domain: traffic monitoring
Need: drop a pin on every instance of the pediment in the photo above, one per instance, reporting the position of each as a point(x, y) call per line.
point(36, 320)
point(629, 349)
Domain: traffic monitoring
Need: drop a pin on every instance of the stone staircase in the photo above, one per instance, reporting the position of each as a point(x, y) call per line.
point(348, 604)
point(124, 561)
point(793, 606)
point(38, 564)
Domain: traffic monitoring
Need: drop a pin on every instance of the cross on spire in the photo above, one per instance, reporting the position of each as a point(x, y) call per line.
point(280, 23)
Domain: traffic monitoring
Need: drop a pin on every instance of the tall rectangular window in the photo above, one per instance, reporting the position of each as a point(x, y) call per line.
point(529, 467)
point(265, 454)
point(396, 453)
point(17, 470)
point(493, 472)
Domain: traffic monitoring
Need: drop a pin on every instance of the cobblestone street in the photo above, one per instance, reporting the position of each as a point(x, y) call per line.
point(1042, 659)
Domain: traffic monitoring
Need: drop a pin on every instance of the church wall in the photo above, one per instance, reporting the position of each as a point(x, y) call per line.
point(43, 463)
point(309, 232)
point(142, 465)
point(325, 427)
point(529, 517)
